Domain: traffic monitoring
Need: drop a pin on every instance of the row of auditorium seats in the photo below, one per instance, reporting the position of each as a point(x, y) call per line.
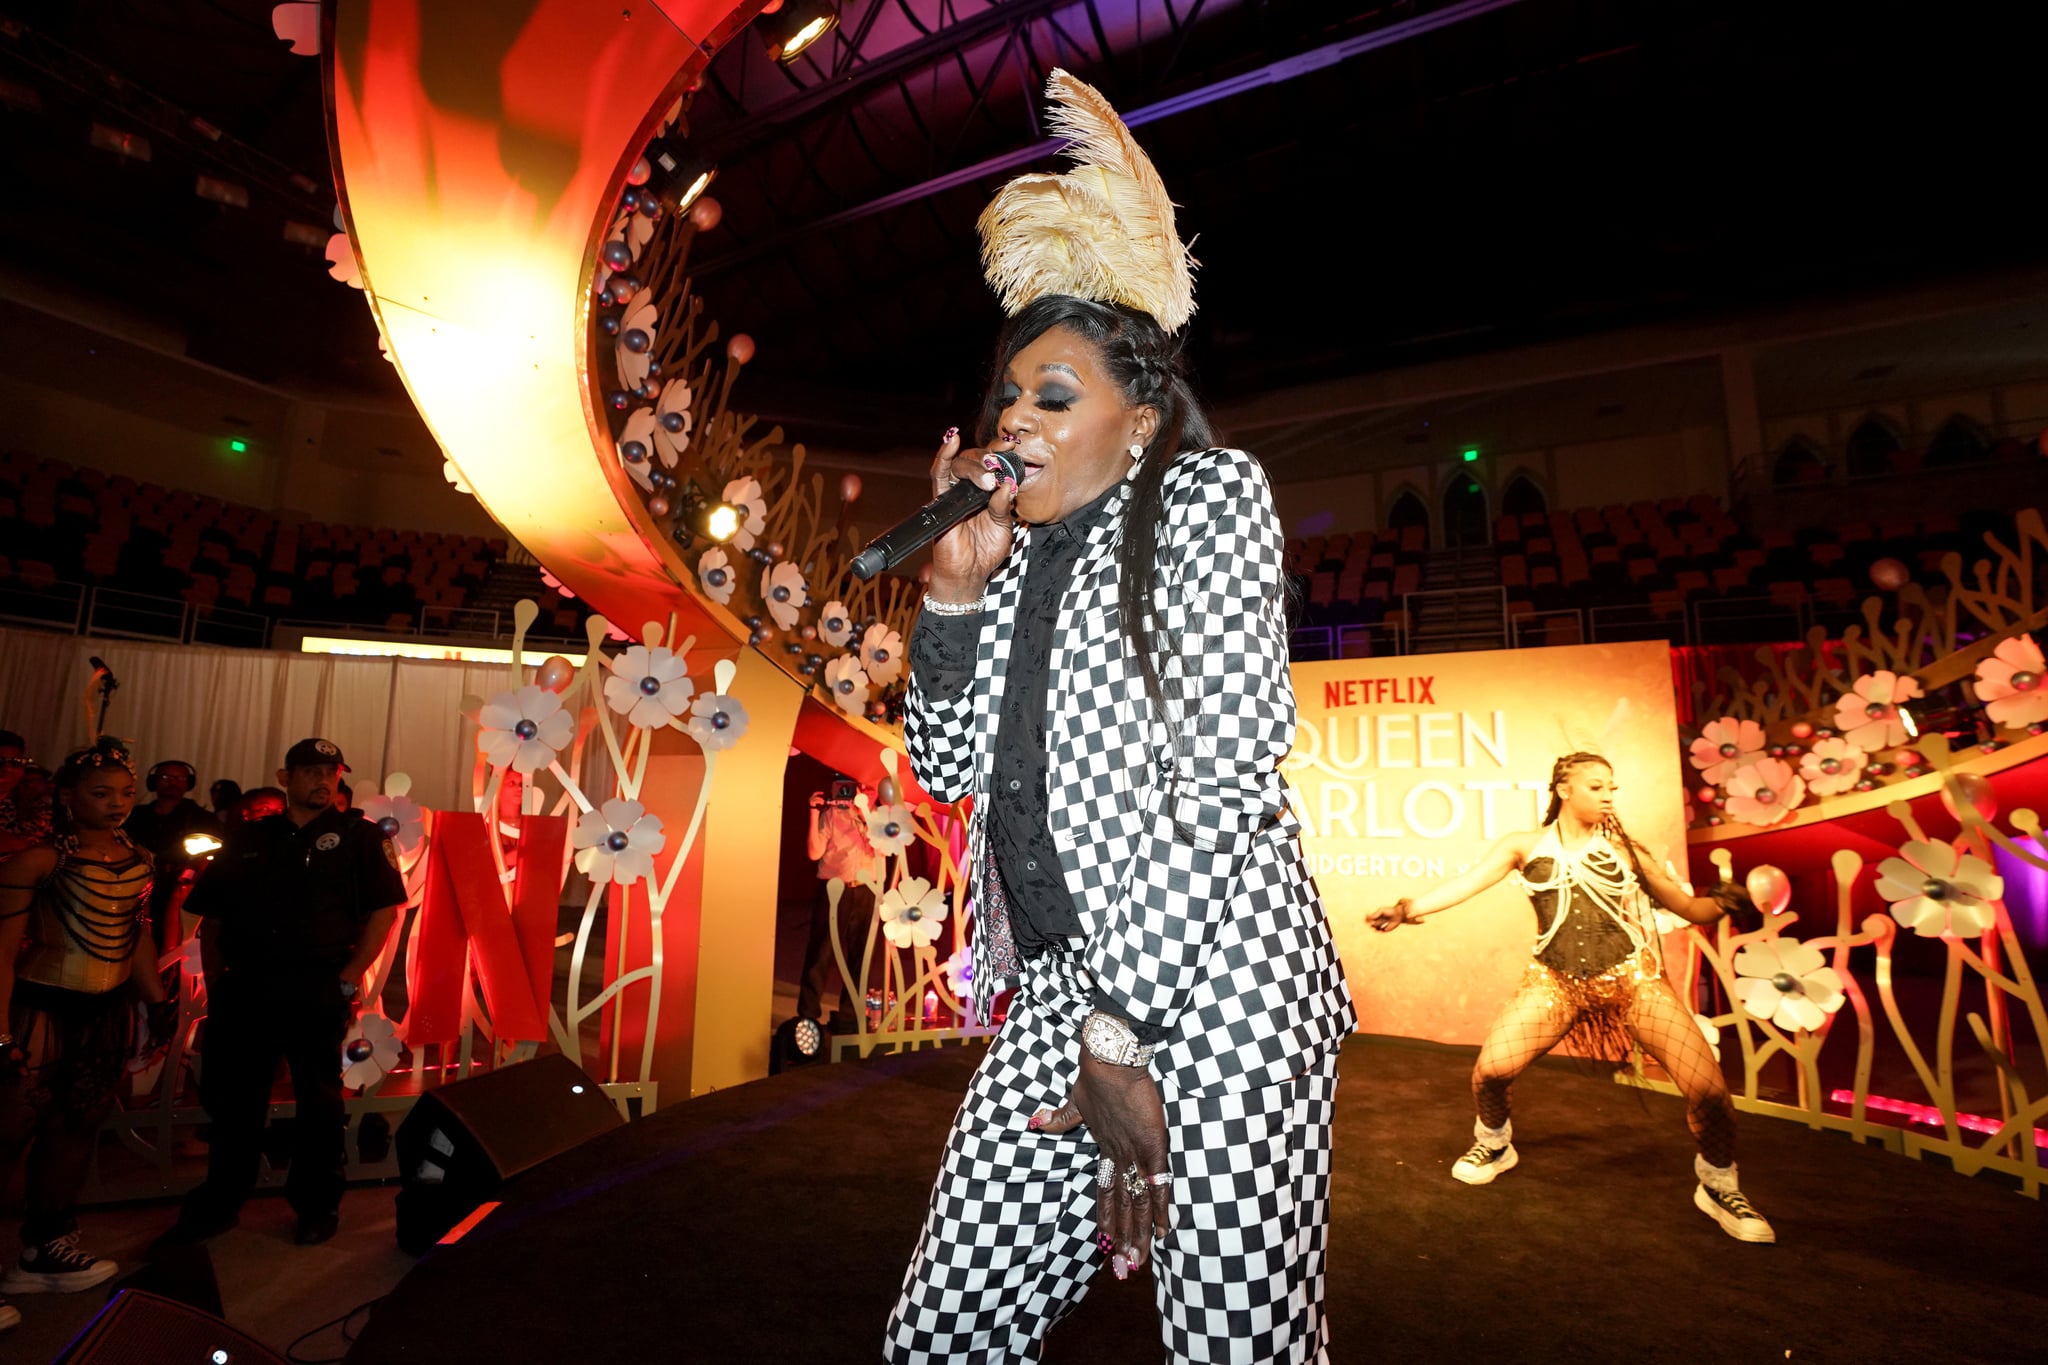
point(80, 525)
point(1655, 559)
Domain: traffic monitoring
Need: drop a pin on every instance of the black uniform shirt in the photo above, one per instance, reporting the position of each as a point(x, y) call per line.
point(295, 898)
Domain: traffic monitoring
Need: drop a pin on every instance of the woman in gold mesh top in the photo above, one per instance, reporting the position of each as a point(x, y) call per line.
point(75, 953)
point(1595, 978)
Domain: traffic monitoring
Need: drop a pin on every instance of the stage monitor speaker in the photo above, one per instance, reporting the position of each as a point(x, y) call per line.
point(462, 1142)
point(138, 1328)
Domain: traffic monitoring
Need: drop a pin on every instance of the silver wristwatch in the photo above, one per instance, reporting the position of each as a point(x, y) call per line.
point(1109, 1039)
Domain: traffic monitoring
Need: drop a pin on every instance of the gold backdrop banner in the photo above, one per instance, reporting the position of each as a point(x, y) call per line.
point(1405, 770)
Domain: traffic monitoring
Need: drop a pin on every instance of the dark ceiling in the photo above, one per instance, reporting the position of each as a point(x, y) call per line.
point(1545, 169)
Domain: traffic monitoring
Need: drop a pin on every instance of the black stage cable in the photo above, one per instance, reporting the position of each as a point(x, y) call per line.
point(291, 1352)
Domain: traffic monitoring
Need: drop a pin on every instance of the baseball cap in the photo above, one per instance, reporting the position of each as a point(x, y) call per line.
point(308, 753)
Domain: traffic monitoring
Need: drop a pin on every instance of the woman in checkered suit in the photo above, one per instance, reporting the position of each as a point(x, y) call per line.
point(1102, 667)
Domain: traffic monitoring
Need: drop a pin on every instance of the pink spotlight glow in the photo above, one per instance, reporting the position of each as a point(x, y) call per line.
point(1927, 1114)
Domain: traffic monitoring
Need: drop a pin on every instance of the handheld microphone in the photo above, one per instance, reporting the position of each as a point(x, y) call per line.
point(934, 519)
point(101, 665)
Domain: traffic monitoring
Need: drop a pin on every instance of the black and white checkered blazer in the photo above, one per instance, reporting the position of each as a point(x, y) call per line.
point(1200, 916)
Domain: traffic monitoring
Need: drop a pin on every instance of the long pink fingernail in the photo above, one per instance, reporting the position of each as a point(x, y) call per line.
point(951, 432)
point(1037, 1120)
point(1105, 1243)
point(1122, 1267)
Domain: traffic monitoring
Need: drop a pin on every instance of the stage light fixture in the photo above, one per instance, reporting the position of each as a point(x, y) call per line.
point(799, 1042)
point(795, 25)
point(1912, 726)
point(676, 177)
point(201, 845)
point(704, 518)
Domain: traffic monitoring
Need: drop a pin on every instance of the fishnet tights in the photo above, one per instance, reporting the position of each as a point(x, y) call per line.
point(1535, 1022)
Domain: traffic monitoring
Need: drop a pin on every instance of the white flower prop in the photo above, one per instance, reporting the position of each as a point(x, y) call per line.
point(636, 448)
point(716, 577)
point(890, 830)
point(1711, 1031)
point(617, 842)
point(1764, 792)
point(848, 684)
point(1868, 714)
point(745, 497)
point(524, 730)
point(913, 912)
point(455, 479)
point(881, 653)
point(649, 687)
point(368, 1057)
point(960, 972)
point(1832, 766)
point(2010, 684)
point(640, 317)
point(672, 423)
point(782, 589)
point(1788, 983)
point(835, 626)
point(1725, 746)
point(1935, 890)
point(717, 721)
point(399, 817)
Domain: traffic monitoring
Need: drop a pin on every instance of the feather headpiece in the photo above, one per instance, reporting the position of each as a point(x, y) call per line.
point(1102, 231)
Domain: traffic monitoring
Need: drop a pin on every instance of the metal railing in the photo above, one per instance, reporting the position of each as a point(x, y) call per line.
point(1475, 613)
point(116, 613)
point(1367, 640)
point(1747, 620)
point(1531, 629)
point(1638, 621)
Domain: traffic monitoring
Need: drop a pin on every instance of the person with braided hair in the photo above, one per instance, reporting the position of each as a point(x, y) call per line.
point(1101, 664)
point(74, 940)
point(1596, 978)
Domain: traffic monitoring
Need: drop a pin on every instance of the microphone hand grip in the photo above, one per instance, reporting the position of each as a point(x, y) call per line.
point(928, 523)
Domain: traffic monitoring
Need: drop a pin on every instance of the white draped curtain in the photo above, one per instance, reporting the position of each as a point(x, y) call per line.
point(233, 712)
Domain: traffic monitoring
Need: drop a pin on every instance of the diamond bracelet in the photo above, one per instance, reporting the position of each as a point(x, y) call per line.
point(938, 608)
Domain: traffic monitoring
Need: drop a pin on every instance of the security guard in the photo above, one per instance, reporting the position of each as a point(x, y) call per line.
point(294, 910)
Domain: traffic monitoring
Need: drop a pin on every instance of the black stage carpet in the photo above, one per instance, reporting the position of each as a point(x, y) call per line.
point(771, 1222)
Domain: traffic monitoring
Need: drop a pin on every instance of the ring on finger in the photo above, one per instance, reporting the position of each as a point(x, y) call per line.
point(1135, 1185)
point(1105, 1173)
point(1160, 1178)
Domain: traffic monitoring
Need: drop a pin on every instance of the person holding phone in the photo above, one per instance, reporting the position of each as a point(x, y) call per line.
point(838, 843)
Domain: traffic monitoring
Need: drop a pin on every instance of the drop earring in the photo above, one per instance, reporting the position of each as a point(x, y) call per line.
point(1137, 452)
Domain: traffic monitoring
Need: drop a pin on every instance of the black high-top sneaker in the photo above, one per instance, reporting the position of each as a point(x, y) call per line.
point(1720, 1199)
point(1492, 1153)
point(58, 1266)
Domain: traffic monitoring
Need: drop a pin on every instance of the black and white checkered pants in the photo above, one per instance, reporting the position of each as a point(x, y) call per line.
point(1008, 1246)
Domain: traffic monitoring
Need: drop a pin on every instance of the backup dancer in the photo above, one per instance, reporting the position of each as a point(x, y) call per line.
point(1102, 664)
point(1596, 978)
point(74, 938)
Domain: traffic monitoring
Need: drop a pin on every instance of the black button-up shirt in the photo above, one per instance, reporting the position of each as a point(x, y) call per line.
point(1019, 816)
point(294, 898)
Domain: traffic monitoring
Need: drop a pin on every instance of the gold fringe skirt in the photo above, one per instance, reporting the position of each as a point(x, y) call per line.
point(1598, 1004)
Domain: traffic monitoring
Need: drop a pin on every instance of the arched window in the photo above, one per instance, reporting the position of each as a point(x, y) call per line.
point(1408, 510)
point(1872, 447)
point(1960, 441)
point(1465, 512)
point(1799, 461)
point(1522, 497)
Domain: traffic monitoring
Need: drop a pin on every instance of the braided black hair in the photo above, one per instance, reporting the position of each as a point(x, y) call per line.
point(104, 752)
point(1147, 365)
point(1558, 772)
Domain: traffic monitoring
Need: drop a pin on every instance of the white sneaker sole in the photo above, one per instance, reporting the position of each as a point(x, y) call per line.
point(1483, 1175)
point(27, 1282)
point(1741, 1229)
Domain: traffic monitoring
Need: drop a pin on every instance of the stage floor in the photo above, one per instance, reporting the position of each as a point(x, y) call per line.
point(771, 1222)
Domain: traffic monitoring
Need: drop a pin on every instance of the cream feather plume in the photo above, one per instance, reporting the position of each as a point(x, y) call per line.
point(1102, 231)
